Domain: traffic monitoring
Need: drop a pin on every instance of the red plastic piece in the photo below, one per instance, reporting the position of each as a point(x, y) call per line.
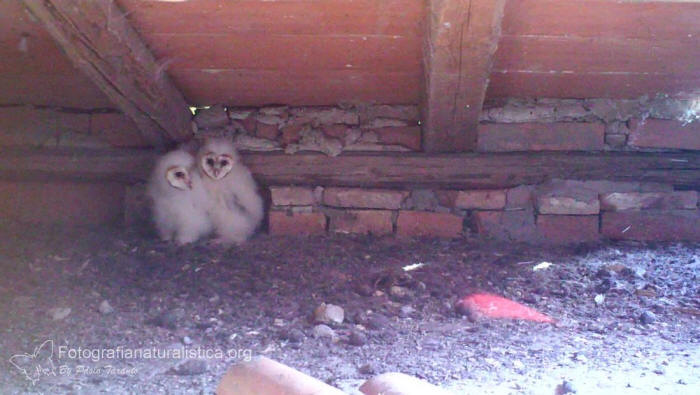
point(494, 306)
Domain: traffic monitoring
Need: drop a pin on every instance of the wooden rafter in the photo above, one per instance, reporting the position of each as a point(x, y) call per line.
point(98, 39)
point(367, 170)
point(461, 39)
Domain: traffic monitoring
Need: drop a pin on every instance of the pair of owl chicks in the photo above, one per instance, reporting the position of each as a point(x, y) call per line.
point(212, 191)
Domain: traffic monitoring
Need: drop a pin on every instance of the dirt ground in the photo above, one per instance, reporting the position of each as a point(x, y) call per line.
point(177, 317)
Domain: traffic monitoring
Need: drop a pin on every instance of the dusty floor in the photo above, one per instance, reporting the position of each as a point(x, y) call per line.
point(220, 306)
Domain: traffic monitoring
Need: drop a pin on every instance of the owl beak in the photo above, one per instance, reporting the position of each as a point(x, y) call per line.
point(189, 184)
point(216, 172)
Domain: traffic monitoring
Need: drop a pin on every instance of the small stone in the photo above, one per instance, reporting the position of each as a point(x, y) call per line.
point(566, 387)
point(378, 321)
point(357, 338)
point(294, 336)
point(59, 313)
point(321, 331)
point(599, 299)
point(367, 369)
point(647, 318)
point(399, 292)
point(406, 311)
point(580, 358)
point(105, 307)
point(278, 322)
point(191, 367)
point(329, 313)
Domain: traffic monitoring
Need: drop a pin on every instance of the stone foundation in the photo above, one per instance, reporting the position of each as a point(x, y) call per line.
point(557, 212)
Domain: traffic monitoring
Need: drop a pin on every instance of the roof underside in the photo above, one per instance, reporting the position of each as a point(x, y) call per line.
point(323, 52)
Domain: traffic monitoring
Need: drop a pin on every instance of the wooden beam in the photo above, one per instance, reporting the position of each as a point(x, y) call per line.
point(367, 170)
point(97, 38)
point(462, 37)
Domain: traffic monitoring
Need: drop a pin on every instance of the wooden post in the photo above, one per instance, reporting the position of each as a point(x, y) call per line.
point(461, 39)
point(99, 40)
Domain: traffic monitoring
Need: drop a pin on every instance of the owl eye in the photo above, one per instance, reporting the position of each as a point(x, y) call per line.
point(210, 162)
point(180, 174)
point(224, 163)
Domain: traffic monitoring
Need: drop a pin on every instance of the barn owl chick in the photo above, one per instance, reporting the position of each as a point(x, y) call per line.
point(179, 200)
point(236, 207)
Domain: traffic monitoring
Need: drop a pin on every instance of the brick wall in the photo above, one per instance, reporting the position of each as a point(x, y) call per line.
point(560, 211)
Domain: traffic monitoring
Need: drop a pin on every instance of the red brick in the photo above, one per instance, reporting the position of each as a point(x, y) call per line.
point(292, 196)
point(376, 222)
point(406, 136)
point(266, 131)
point(561, 136)
point(481, 200)
point(516, 225)
point(447, 198)
point(563, 205)
point(563, 229)
point(337, 130)
point(63, 203)
point(249, 124)
point(687, 200)
point(422, 223)
point(364, 198)
point(652, 225)
point(567, 197)
point(658, 133)
point(283, 223)
point(519, 197)
point(291, 133)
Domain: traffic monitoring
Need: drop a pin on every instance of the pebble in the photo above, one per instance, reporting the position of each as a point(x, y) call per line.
point(357, 338)
point(566, 387)
point(186, 340)
point(105, 307)
point(59, 313)
point(406, 311)
point(378, 321)
point(329, 313)
point(647, 318)
point(191, 367)
point(321, 331)
point(399, 292)
point(293, 336)
point(367, 369)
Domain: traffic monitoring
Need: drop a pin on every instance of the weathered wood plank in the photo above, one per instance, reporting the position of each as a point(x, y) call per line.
point(366, 170)
point(293, 53)
point(261, 87)
point(303, 17)
point(622, 85)
point(652, 20)
point(98, 39)
point(576, 54)
point(461, 39)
